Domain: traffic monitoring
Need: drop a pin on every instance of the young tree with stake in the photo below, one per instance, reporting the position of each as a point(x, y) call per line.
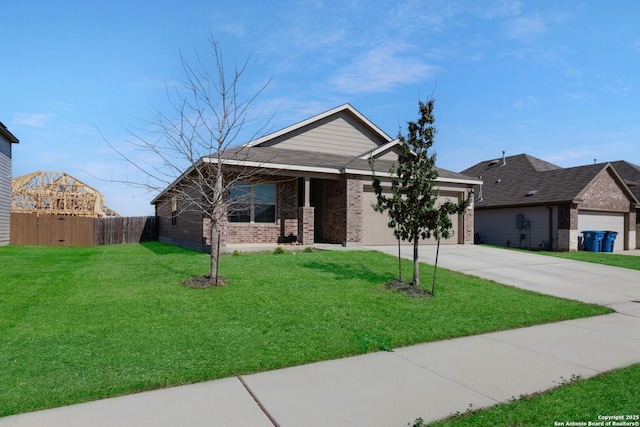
point(411, 205)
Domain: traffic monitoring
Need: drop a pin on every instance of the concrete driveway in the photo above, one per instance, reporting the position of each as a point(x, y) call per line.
point(615, 287)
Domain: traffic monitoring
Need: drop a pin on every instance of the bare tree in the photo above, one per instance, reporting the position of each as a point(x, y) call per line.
point(206, 118)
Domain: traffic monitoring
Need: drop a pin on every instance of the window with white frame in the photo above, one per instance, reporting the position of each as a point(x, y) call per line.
point(252, 203)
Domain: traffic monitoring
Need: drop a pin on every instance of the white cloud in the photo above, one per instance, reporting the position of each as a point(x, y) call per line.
point(570, 158)
point(62, 106)
point(154, 83)
point(500, 8)
point(34, 120)
point(235, 28)
point(578, 96)
point(602, 146)
point(616, 87)
point(525, 28)
point(383, 68)
point(527, 101)
point(409, 15)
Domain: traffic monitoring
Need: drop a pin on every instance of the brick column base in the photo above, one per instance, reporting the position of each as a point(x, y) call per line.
point(305, 225)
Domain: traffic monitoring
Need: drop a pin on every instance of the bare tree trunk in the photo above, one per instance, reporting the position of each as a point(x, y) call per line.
point(416, 264)
point(215, 215)
point(215, 246)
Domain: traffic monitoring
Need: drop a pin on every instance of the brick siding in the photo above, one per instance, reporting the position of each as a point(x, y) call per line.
point(305, 225)
point(354, 188)
point(468, 226)
point(605, 194)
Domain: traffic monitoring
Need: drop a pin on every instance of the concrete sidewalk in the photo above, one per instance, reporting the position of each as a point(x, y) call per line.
point(431, 380)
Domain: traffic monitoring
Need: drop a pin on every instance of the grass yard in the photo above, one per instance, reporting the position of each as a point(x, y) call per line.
point(614, 393)
point(606, 258)
point(79, 324)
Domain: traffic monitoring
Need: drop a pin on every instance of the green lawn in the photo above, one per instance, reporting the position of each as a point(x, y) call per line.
point(606, 258)
point(582, 401)
point(79, 324)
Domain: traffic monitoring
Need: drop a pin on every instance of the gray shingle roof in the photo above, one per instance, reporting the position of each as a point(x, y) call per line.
point(631, 174)
point(310, 159)
point(525, 180)
point(278, 156)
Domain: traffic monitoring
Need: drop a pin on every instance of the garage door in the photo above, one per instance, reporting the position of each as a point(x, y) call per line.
point(606, 221)
point(376, 232)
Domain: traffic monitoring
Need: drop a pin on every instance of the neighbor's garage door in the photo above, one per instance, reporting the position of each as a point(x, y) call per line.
point(376, 232)
point(605, 221)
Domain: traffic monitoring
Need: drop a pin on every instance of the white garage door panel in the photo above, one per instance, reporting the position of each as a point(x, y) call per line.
point(376, 232)
point(605, 221)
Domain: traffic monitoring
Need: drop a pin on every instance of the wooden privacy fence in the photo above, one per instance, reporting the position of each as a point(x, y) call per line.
point(57, 230)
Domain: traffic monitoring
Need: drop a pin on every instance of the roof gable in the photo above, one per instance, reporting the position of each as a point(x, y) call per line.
point(342, 130)
point(606, 182)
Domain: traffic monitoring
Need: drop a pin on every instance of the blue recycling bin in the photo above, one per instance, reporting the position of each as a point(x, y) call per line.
point(593, 240)
point(609, 241)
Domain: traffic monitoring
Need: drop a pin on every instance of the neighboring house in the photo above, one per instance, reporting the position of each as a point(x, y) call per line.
point(314, 185)
point(6, 140)
point(529, 203)
point(631, 175)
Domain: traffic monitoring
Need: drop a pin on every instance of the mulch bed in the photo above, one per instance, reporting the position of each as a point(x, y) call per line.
point(202, 282)
point(408, 289)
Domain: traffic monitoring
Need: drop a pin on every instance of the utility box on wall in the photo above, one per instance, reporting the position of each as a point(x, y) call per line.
point(520, 221)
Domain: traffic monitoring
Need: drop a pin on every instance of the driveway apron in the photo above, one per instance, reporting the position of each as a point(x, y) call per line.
point(618, 288)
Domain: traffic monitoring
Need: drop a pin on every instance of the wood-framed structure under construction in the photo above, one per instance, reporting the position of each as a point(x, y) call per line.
point(57, 193)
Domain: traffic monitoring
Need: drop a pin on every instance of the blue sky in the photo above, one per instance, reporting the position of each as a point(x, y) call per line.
point(558, 80)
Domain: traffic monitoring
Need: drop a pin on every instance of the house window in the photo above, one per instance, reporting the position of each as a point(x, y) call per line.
point(174, 210)
point(252, 203)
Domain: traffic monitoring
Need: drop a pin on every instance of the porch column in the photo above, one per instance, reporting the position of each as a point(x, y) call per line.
point(305, 225)
point(631, 228)
point(307, 192)
point(353, 203)
point(306, 216)
point(467, 221)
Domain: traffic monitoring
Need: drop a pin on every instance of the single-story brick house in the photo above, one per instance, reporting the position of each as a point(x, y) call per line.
point(631, 175)
point(528, 202)
point(314, 185)
point(7, 139)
